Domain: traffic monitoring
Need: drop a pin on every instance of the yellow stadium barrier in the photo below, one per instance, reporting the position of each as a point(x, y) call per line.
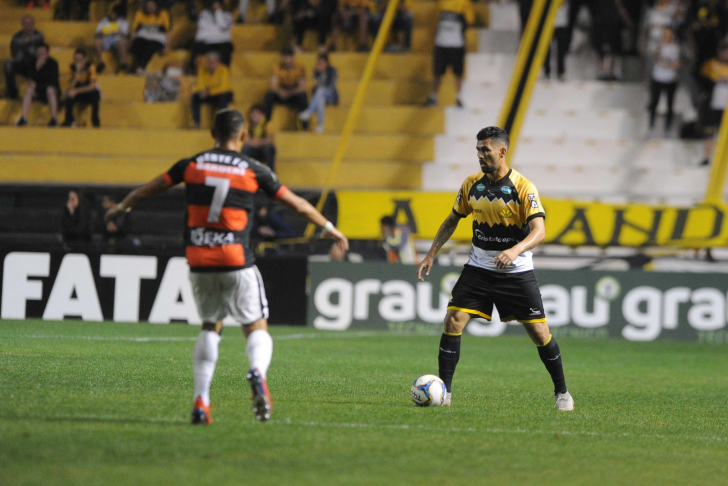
point(353, 116)
point(719, 169)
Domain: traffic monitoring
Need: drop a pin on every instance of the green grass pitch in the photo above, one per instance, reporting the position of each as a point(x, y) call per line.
point(97, 404)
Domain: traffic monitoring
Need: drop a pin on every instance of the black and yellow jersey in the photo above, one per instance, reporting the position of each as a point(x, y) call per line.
point(501, 212)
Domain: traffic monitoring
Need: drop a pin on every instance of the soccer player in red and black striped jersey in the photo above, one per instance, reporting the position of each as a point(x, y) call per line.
point(220, 185)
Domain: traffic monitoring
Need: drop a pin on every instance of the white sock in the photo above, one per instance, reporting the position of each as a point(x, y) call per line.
point(204, 359)
point(260, 351)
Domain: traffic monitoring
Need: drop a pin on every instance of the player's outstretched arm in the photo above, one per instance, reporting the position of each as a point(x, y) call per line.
point(536, 236)
point(447, 228)
point(139, 194)
point(305, 210)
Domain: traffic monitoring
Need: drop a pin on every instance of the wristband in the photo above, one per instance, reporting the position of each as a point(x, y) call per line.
point(122, 208)
point(328, 226)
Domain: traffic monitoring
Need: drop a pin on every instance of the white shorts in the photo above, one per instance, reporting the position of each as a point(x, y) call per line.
point(239, 294)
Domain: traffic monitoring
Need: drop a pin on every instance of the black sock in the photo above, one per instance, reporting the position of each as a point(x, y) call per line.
point(551, 357)
point(448, 357)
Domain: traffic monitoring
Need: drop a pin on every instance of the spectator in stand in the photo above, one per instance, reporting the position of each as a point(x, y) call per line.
point(454, 17)
point(324, 92)
point(22, 51)
point(352, 15)
point(260, 142)
point(45, 5)
point(149, 33)
point(287, 85)
point(607, 18)
point(708, 24)
point(270, 10)
point(398, 242)
point(42, 85)
point(66, 9)
point(403, 22)
point(715, 72)
point(213, 33)
point(561, 38)
point(112, 34)
point(663, 14)
point(312, 14)
point(665, 73)
point(113, 230)
point(75, 223)
point(213, 86)
point(83, 88)
point(269, 226)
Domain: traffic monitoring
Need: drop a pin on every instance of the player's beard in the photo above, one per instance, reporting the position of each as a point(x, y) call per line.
point(486, 167)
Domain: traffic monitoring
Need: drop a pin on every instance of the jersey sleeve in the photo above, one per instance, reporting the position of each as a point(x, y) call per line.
point(531, 206)
point(462, 205)
point(176, 173)
point(268, 181)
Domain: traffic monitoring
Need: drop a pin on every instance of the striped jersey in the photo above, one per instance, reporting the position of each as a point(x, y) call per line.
point(501, 212)
point(220, 185)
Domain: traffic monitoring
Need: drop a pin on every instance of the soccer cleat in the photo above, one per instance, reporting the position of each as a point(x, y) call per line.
point(53, 122)
point(22, 122)
point(201, 413)
point(447, 401)
point(564, 402)
point(262, 404)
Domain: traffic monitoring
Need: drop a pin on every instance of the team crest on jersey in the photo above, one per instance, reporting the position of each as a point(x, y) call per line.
point(480, 187)
point(506, 213)
point(506, 190)
point(534, 202)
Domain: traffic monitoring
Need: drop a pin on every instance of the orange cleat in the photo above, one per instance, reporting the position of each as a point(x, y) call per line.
point(201, 413)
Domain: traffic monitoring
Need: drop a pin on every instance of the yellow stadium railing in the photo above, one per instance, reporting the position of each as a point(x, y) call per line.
point(719, 168)
point(353, 115)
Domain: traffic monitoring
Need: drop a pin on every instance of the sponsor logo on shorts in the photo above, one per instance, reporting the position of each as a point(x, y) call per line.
point(200, 237)
point(535, 312)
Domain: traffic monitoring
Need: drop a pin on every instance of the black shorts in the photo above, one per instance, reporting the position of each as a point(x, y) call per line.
point(41, 93)
point(515, 295)
point(448, 56)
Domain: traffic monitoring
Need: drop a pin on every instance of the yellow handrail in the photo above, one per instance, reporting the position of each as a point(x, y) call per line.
point(353, 116)
point(719, 168)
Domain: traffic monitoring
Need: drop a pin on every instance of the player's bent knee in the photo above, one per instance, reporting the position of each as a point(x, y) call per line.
point(538, 332)
point(259, 325)
point(455, 322)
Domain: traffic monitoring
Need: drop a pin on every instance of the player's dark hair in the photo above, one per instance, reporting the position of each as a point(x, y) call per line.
point(118, 10)
point(257, 107)
point(228, 123)
point(80, 50)
point(387, 221)
point(495, 134)
point(287, 51)
point(323, 57)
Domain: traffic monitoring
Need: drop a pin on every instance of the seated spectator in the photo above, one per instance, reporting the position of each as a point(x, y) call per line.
point(213, 33)
point(150, 34)
point(665, 73)
point(310, 14)
point(324, 92)
point(42, 85)
point(83, 88)
point(715, 72)
point(352, 16)
point(75, 223)
point(403, 22)
point(268, 226)
point(45, 5)
point(67, 12)
point(112, 34)
point(212, 87)
point(270, 10)
point(260, 143)
point(398, 242)
point(113, 230)
point(161, 87)
point(287, 85)
point(190, 6)
point(22, 51)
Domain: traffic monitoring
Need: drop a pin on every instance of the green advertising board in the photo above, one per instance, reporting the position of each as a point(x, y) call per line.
point(634, 305)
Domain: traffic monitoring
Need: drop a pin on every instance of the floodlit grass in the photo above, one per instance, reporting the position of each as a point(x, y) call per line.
point(111, 410)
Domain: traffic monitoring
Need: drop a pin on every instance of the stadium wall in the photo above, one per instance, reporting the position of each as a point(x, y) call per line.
point(636, 306)
point(129, 288)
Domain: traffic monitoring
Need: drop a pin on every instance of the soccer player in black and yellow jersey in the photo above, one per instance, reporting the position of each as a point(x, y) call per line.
point(508, 221)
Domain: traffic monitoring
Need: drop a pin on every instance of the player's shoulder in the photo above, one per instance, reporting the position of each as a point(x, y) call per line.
point(472, 179)
point(258, 167)
point(520, 182)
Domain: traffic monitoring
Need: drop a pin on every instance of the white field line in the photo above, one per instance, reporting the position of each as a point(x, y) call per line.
point(489, 430)
point(168, 338)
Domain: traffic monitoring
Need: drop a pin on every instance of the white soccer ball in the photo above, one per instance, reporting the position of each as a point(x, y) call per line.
point(428, 391)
